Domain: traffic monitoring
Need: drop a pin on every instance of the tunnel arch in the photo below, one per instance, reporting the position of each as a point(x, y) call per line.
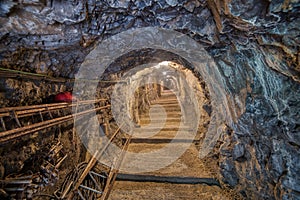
point(131, 61)
point(156, 38)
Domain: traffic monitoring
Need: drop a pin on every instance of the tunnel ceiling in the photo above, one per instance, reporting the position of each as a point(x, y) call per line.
point(45, 33)
point(255, 47)
point(144, 56)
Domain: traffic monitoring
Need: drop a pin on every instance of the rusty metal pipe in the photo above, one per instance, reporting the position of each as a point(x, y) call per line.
point(114, 171)
point(92, 163)
point(20, 108)
point(18, 132)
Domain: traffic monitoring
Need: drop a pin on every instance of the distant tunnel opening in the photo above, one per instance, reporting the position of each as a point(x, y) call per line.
point(147, 72)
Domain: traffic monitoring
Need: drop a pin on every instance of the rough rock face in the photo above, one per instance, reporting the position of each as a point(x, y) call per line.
point(254, 43)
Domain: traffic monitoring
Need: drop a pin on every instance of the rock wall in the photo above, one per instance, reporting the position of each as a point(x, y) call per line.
point(22, 92)
point(255, 45)
point(261, 150)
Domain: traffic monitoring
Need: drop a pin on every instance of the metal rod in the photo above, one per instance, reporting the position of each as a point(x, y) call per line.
point(20, 178)
point(91, 189)
point(95, 182)
point(10, 73)
point(18, 108)
point(26, 113)
point(73, 130)
point(49, 121)
point(49, 112)
point(66, 190)
point(2, 123)
point(14, 189)
point(94, 173)
point(113, 173)
point(12, 134)
point(55, 146)
point(15, 116)
point(59, 163)
point(41, 116)
point(80, 194)
point(16, 181)
point(92, 163)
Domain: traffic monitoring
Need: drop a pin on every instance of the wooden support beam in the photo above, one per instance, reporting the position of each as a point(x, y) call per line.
point(217, 18)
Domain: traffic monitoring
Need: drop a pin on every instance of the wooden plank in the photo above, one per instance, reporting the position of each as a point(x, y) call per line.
point(166, 128)
point(160, 140)
point(145, 121)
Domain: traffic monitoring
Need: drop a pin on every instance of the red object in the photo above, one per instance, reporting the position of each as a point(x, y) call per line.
point(64, 97)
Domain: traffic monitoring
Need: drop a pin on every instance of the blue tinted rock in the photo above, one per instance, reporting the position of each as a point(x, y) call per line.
point(238, 151)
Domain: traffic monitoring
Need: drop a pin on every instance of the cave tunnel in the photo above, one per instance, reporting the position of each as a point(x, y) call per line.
point(150, 99)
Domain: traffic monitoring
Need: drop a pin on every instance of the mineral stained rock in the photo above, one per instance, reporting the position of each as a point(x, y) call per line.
point(255, 45)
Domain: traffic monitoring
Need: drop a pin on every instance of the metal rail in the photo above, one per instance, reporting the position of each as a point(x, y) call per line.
point(24, 111)
point(16, 74)
point(97, 155)
point(44, 107)
point(114, 171)
point(87, 179)
point(87, 172)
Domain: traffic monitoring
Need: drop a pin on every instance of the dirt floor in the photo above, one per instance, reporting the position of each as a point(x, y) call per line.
point(187, 164)
point(159, 191)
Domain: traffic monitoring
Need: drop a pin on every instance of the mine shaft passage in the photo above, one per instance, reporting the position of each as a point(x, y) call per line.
point(149, 99)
